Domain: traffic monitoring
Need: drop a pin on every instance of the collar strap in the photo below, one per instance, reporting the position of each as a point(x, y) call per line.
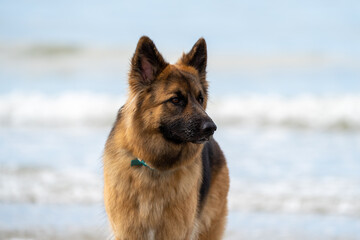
point(139, 162)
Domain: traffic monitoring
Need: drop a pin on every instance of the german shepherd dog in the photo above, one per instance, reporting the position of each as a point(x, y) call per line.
point(165, 176)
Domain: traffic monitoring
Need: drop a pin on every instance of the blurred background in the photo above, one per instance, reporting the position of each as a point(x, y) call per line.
point(284, 91)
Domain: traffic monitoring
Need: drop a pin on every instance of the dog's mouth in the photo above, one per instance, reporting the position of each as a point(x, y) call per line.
point(201, 140)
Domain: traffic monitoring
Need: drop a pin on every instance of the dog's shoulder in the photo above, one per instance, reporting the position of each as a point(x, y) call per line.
point(212, 161)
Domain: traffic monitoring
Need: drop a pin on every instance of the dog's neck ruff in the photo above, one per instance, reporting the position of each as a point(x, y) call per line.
point(139, 162)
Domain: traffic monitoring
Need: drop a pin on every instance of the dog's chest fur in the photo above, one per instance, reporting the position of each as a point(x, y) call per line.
point(154, 204)
point(161, 202)
point(161, 194)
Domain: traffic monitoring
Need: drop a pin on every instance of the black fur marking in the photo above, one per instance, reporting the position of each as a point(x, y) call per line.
point(212, 160)
point(207, 158)
point(169, 131)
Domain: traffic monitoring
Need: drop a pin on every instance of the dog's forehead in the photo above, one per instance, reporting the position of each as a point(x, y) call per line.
point(183, 77)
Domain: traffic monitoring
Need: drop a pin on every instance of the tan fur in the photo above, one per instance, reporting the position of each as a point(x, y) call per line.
point(160, 203)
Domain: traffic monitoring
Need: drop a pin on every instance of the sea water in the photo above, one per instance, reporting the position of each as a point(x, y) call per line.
point(287, 183)
point(284, 92)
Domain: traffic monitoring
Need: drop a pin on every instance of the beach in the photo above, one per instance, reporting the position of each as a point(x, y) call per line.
point(284, 93)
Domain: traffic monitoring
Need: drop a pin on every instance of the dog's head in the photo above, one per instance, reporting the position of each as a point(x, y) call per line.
point(171, 99)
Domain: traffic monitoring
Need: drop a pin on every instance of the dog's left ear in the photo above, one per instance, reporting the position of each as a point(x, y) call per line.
point(146, 64)
point(197, 57)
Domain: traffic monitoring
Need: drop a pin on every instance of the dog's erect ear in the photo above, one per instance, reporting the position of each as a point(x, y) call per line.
point(197, 57)
point(146, 64)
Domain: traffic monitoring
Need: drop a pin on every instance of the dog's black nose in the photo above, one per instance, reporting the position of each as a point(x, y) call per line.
point(208, 127)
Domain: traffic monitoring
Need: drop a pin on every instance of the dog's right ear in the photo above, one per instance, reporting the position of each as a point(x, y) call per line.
point(146, 64)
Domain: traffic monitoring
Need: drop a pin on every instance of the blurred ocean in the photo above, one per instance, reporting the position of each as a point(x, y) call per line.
point(284, 92)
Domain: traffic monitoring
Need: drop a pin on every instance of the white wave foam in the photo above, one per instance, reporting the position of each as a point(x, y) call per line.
point(340, 112)
point(67, 109)
point(90, 109)
point(36, 185)
point(329, 196)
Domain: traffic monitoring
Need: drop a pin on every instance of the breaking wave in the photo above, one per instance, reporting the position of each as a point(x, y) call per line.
point(90, 109)
point(339, 112)
point(67, 109)
point(39, 185)
point(325, 196)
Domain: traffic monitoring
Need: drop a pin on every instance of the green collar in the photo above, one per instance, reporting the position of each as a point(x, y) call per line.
point(139, 162)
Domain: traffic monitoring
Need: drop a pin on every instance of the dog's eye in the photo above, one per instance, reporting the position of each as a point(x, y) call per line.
point(175, 100)
point(201, 99)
